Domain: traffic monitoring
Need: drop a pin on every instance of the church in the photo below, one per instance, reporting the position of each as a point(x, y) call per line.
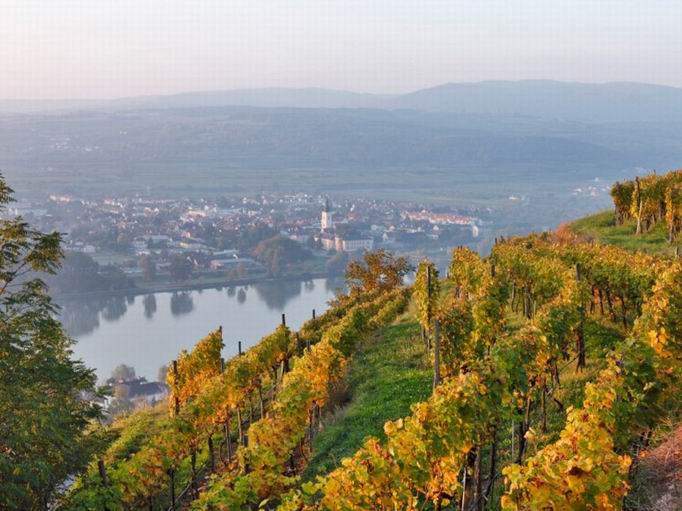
point(332, 238)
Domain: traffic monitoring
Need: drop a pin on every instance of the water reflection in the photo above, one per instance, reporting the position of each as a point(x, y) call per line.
point(181, 303)
point(277, 294)
point(114, 308)
point(241, 296)
point(149, 303)
point(82, 317)
point(150, 330)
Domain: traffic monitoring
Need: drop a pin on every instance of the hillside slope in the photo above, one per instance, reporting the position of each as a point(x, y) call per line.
point(601, 227)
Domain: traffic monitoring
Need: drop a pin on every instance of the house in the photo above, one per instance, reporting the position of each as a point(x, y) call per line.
point(136, 390)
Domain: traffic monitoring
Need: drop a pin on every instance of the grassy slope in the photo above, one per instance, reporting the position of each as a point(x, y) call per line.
point(602, 228)
point(384, 379)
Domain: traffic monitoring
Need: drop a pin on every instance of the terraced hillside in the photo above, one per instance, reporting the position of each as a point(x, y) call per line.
point(544, 376)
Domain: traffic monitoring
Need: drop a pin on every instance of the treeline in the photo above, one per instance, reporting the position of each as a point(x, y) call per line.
point(651, 200)
point(80, 273)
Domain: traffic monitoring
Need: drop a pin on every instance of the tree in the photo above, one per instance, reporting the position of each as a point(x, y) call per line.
point(161, 375)
point(45, 433)
point(79, 272)
point(148, 267)
point(123, 372)
point(377, 270)
point(180, 267)
point(336, 265)
point(279, 252)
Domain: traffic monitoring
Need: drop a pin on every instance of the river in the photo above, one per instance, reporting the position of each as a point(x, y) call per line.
point(147, 331)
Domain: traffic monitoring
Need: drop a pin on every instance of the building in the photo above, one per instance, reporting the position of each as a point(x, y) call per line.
point(327, 221)
point(137, 390)
point(352, 244)
point(331, 239)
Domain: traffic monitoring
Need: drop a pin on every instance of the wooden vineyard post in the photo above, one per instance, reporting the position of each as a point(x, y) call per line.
point(581, 328)
point(436, 354)
point(239, 348)
point(171, 475)
point(240, 430)
point(102, 472)
point(478, 489)
point(491, 468)
point(299, 344)
point(193, 482)
point(313, 313)
point(228, 439)
point(284, 320)
point(464, 489)
point(428, 298)
point(310, 426)
point(175, 379)
point(211, 455)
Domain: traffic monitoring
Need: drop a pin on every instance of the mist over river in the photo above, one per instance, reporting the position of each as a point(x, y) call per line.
point(148, 331)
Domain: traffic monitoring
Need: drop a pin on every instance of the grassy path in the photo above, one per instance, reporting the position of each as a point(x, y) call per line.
point(384, 379)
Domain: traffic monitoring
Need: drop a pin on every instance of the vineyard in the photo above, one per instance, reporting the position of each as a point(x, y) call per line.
point(555, 362)
point(650, 201)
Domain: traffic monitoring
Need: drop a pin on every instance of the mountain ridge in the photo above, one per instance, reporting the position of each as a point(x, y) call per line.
point(593, 102)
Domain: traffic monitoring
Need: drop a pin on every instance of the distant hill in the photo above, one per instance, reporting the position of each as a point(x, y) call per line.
point(28, 106)
point(607, 102)
point(267, 97)
point(249, 137)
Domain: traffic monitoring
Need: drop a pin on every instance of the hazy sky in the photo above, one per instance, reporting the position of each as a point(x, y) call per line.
point(108, 48)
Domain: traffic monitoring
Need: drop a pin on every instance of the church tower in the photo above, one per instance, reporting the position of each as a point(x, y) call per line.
point(327, 221)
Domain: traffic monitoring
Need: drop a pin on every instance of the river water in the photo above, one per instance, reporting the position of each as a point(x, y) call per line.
point(147, 331)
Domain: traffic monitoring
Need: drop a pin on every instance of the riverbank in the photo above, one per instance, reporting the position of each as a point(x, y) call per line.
point(144, 288)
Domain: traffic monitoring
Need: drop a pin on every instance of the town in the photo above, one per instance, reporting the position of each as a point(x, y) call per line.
point(116, 244)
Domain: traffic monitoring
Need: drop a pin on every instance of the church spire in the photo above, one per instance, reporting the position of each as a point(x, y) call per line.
point(327, 223)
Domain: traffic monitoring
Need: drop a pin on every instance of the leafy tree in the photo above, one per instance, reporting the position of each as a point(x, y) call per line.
point(279, 252)
point(377, 270)
point(123, 372)
point(45, 419)
point(148, 267)
point(180, 267)
point(161, 375)
point(79, 272)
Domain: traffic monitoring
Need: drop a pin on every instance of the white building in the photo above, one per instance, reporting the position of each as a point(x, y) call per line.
point(327, 223)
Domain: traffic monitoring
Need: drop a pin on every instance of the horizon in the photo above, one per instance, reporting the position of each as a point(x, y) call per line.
point(348, 91)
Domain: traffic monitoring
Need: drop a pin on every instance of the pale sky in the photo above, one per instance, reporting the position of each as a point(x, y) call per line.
point(114, 48)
